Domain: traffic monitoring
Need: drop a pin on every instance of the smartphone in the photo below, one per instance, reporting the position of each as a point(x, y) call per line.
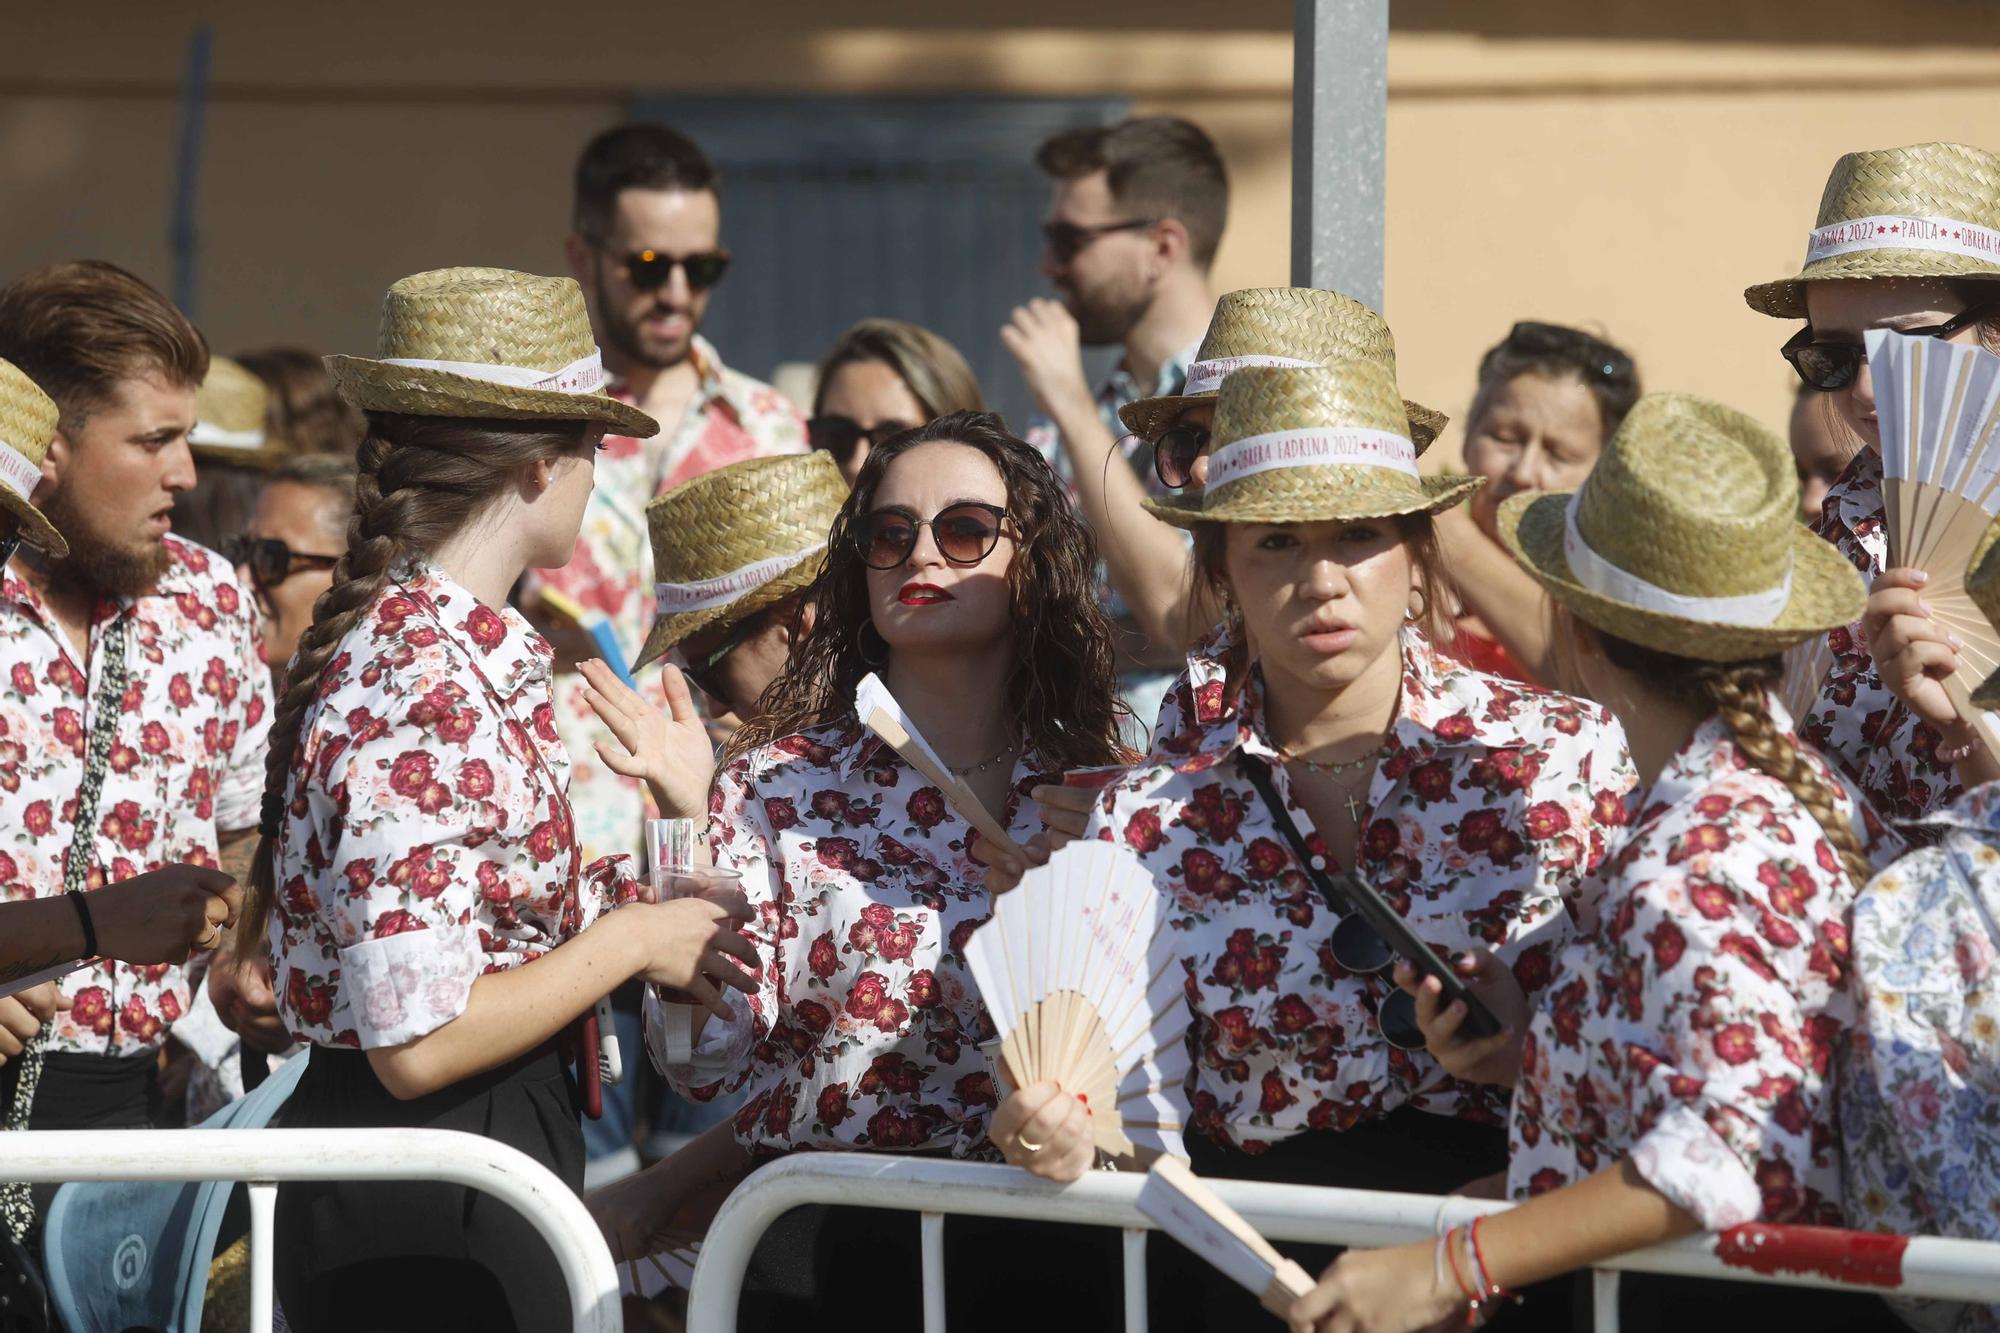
point(1403, 942)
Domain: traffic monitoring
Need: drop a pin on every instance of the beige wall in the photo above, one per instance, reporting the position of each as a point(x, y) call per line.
point(1625, 165)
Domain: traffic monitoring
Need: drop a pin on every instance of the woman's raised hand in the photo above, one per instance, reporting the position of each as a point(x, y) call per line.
point(670, 752)
point(686, 945)
point(1913, 653)
point(1494, 1059)
point(1045, 1131)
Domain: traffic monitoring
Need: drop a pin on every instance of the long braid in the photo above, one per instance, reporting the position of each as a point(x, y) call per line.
point(1739, 694)
point(418, 480)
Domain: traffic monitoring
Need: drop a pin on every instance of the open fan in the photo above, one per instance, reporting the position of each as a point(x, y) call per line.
point(1939, 407)
point(1084, 982)
point(881, 714)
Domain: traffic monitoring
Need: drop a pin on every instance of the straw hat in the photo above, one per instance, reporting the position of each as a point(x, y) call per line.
point(1931, 210)
point(1303, 445)
point(733, 541)
point(1685, 538)
point(27, 423)
point(485, 342)
point(1982, 584)
point(229, 419)
point(1281, 326)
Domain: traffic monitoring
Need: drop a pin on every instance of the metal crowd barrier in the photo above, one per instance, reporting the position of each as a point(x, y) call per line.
point(1794, 1256)
point(265, 1158)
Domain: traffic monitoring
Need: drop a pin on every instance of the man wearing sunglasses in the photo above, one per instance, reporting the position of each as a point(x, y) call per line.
point(1134, 220)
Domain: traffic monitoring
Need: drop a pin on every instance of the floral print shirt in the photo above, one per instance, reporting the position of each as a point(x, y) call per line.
point(426, 837)
point(1857, 722)
point(1492, 803)
point(1920, 1078)
point(186, 763)
point(1692, 1023)
point(866, 1020)
point(730, 418)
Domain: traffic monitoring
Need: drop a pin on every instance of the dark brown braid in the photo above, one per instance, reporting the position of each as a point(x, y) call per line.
point(419, 480)
point(1737, 690)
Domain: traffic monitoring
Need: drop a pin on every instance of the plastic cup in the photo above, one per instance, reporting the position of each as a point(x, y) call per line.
point(694, 882)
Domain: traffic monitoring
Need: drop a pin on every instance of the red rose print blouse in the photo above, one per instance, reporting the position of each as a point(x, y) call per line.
point(1492, 803)
point(866, 1022)
point(1692, 1023)
point(1874, 739)
point(187, 763)
point(426, 838)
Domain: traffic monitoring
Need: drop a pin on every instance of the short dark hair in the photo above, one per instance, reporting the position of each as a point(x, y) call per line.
point(643, 155)
point(78, 328)
point(1156, 166)
point(1561, 352)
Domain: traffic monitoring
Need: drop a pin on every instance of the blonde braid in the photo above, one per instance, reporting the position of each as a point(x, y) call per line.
point(1739, 695)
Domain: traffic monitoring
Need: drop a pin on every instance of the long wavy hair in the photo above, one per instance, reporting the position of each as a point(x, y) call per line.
point(1061, 687)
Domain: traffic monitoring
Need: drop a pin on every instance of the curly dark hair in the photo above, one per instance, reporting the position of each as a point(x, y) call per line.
point(1061, 688)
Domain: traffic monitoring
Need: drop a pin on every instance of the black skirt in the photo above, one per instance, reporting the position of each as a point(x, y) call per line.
point(383, 1257)
point(79, 1091)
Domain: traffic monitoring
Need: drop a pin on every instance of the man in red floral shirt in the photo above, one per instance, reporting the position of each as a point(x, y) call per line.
point(135, 701)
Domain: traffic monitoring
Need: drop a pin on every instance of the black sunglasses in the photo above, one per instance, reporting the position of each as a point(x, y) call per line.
point(840, 436)
point(1066, 240)
point(270, 561)
point(648, 270)
point(1359, 948)
point(703, 674)
point(8, 545)
point(1827, 366)
point(1175, 452)
point(965, 534)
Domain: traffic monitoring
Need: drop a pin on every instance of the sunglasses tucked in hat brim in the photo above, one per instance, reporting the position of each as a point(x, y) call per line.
point(377, 386)
point(36, 530)
point(1827, 592)
point(1320, 495)
point(1148, 417)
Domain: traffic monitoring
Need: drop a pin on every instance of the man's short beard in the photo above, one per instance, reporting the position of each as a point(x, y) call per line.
point(618, 332)
point(1102, 324)
point(128, 568)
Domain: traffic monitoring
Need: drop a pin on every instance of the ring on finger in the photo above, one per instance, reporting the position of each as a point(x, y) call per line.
point(1028, 1145)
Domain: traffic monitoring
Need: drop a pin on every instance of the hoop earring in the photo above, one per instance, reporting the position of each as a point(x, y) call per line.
point(878, 658)
point(1423, 608)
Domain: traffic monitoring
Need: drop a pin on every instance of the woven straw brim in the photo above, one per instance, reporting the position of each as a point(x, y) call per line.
point(376, 386)
point(36, 530)
point(669, 631)
point(1320, 495)
point(1827, 592)
point(1786, 299)
point(1147, 417)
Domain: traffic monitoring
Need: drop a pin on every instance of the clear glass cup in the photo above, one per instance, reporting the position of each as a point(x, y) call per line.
point(693, 882)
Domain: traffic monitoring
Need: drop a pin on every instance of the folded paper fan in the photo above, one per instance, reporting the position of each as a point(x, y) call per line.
point(1939, 408)
point(881, 714)
point(1084, 983)
point(1186, 1209)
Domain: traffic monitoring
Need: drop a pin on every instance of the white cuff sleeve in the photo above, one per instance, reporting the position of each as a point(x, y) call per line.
point(399, 987)
point(1685, 1160)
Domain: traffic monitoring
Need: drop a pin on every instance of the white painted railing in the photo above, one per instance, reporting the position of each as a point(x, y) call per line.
point(1794, 1256)
point(265, 1158)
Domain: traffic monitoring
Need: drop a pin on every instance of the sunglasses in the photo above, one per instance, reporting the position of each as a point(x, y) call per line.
point(648, 270)
point(1066, 240)
point(270, 561)
point(840, 436)
point(1359, 948)
point(965, 534)
point(1175, 452)
point(703, 675)
point(1827, 366)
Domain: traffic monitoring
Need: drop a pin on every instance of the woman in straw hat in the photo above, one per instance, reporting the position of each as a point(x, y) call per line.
point(1906, 239)
point(419, 846)
point(1675, 1076)
point(1474, 804)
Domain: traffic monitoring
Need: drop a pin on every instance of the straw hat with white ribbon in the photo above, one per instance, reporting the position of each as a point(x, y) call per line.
point(733, 541)
point(1931, 210)
point(1685, 538)
point(229, 419)
point(486, 342)
point(1281, 326)
point(27, 423)
point(1309, 444)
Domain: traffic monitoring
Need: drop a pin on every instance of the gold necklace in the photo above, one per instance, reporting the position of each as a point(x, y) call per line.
point(981, 768)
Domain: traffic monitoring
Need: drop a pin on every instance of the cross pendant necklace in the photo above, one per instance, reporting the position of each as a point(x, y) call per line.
point(1353, 808)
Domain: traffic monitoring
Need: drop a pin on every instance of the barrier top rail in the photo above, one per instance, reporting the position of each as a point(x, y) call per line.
point(283, 1155)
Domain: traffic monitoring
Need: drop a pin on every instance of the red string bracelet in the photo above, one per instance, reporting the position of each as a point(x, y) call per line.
point(1490, 1294)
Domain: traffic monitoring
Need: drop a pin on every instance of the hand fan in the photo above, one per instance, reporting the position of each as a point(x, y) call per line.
point(1806, 665)
point(881, 714)
point(1939, 407)
point(1189, 1211)
point(1084, 982)
point(675, 1268)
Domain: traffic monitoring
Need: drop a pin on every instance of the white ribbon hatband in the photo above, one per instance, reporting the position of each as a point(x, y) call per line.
point(1333, 447)
point(20, 473)
point(1890, 232)
point(1605, 579)
point(1207, 376)
point(585, 375)
point(217, 437)
point(677, 598)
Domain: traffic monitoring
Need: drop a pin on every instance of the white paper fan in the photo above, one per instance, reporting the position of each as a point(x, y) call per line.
point(881, 714)
point(1189, 1211)
point(1084, 983)
point(1939, 408)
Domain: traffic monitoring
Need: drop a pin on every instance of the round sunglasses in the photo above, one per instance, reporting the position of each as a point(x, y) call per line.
point(1359, 948)
point(1829, 365)
point(840, 436)
point(648, 270)
point(1175, 452)
point(965, 533)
